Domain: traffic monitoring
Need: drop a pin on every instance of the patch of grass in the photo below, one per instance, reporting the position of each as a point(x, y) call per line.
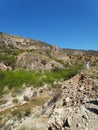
point(20, 110)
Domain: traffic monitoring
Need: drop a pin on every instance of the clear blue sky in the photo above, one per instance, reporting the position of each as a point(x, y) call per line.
point(65, 23)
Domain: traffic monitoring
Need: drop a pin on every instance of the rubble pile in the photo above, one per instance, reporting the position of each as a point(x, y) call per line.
point(71, 106)
point(78, 107)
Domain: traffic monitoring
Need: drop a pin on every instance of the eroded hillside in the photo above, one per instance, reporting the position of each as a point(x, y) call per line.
point(44, 87)
point(16, 52)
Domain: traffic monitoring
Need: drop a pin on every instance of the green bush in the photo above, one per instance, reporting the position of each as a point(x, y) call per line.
point(15, 100)
point(27, 112)
point(8, 60)
point(16, 78)
point(16, 112)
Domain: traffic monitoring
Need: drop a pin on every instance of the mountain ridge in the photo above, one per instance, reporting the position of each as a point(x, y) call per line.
point(17, 51)
point(21, 39)
point(22, 43)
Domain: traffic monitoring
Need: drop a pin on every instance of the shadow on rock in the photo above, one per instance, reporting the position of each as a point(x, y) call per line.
point(95, 102)
point(94, 110)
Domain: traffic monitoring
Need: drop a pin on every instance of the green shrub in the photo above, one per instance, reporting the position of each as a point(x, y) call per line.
point(27, 112)
point(16, 112)
point(15, 100)
point(16, 78)
point(8, 60)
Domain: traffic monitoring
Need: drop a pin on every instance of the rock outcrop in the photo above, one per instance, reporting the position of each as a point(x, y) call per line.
point(17, 42)
point(76, 109)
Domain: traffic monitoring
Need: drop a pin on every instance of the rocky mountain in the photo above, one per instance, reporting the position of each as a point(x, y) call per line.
point(17, 52)
point(17, 42)
point(44, 87)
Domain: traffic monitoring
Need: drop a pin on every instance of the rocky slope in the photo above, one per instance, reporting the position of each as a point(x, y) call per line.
point(70, 103)
point(17, 42)
point(71, 106)
point(78, 109)
point(16, 51)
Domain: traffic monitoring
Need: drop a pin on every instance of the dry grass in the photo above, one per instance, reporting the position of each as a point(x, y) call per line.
point(37, 101)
